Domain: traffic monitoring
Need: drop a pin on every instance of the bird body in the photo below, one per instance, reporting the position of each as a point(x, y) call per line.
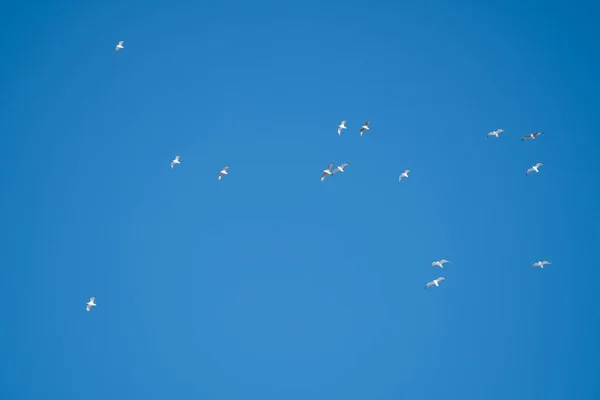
point(90, 304)
point(403, 175)
point(435, 282)
point(535, 168)
point(223, 172)
point(540, 264)
point(365, 127)
point(531, 136)
point(326, 171)
point(439, 263)
point(342, 126)
point(339, 168)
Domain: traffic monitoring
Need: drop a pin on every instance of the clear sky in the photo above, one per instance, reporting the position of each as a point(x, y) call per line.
point(270, 284)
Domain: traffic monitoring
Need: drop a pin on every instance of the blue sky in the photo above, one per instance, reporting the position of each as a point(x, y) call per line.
point(271, 284)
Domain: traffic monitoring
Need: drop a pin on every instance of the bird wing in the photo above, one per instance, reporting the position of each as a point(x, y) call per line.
point(500, 131)
point(441, 278)
point(367, 123)
point(537, 264)
point(428, 284)
point(87, 307)
point(343, 122)
point(492, 134)
point(339, 130)
point(329, 167)
point(93, 298)
point(434, 263)
point(177, 158)
point(225, 167)
point(526, 137)
point(546, 262)
point(344, 165)
point(121, 42)
point(539, 164)
point(529, 171)
point(537, 133)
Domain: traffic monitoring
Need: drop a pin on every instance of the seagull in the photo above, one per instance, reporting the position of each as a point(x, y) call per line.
point(339, 168)
point(540, 264)
point(534, 168)
point(365, 127)
point(342, 126)
point(90, 304)
point(439, 263)
point(496, 133)
point(223, 172)
point(403, 175)
point(175, 161)
point(435, 282)
point(326, 171)
point(531, 136)
point(120, 45)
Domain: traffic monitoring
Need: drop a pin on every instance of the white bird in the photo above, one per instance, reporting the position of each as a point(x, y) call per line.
point(119, 45)
point(90, 304)
point(435, 282)
point(403, 175)
point(326, 171)
point(534, 168)
point(342, 126)
point(175, 161)
point(531, 136)
point(339, 168)
point(223, 172)
point(540, 264)
point(439, 263)
point(365, 127)
point(496, 133)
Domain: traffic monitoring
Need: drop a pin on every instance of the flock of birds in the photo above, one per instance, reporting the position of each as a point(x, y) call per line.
point(330, 171)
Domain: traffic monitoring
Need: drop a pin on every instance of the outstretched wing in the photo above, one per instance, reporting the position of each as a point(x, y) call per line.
point(329, 167)
point(539, 164)
point(441, 278)
point(428, 284)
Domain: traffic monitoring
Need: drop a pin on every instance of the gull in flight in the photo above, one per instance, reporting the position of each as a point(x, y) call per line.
point(342, 126)
point(531, 136)
point(439, 263)
point(90, 304)
point(540, 264)
point(365, 127)
point(435, 282)
point(119, 45)
point(339, 168)
point(223, 172)
point(403, 175)
point(175, 161)
point(496, 133)
point(534, 168)
point(326, 171)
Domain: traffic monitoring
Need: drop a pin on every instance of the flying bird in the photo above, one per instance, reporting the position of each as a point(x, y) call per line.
point(342, 126)
point(223, 172)
point(326, 171)
point(403, 175)
point(540, 264)
point(439, 263)
point(531, 136)
point(90, 304)
point(435, 282)
point(339, 168)
point(365, 127)
point(175, 161)
point(496, 133)
point(534, 168)
point(119, 45)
